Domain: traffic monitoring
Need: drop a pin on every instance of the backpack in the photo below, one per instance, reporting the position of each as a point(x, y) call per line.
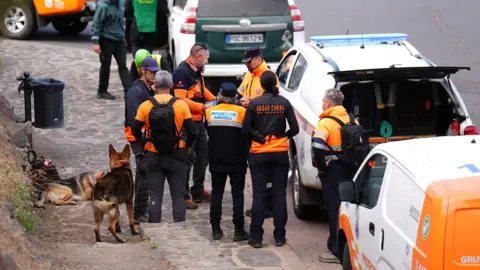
point(162, 131)
point(355, 144)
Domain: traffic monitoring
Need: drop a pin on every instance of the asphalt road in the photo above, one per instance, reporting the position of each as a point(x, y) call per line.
point(438, 28)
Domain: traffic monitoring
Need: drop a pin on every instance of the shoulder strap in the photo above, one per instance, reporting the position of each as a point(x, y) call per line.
point(352, 119)
point(171, 101)
point(340, 122)
point(154, 101)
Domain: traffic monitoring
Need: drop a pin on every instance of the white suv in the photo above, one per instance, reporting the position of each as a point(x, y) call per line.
point(393, 91)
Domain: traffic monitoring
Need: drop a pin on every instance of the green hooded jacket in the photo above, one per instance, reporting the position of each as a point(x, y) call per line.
point(109, 21)
point(145, 12)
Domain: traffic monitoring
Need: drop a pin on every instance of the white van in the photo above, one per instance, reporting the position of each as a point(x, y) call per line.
point(393, 91)
point(413, 204)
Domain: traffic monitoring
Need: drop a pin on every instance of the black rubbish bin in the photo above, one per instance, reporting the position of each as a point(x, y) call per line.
point(48, 102)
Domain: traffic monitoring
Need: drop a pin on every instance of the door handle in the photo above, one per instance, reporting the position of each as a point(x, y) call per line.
point(383, 238)
point(173, 19)
point(371, 228)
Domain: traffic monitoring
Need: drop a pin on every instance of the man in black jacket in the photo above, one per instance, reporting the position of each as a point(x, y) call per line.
point(140, 91)
point(227, 155)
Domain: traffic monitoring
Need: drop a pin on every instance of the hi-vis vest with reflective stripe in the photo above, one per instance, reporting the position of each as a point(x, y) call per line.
point(158, 58)
point(225, 115)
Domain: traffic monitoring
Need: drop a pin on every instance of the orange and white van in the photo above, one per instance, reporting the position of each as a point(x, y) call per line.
point(413, 204)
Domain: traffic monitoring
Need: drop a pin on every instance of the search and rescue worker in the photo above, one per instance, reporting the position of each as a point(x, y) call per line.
point(189, 86)
point(140, 91)
point(265, 125)
point(330, 171)
point(249, 89)
point(171, 164)
point(227, 149)
point(141, 54)
point(108, 36)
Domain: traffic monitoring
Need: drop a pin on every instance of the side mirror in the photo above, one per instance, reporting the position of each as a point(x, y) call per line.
point(346, 191)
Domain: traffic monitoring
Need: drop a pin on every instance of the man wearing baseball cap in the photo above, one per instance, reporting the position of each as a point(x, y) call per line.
point(249, 89)
point(140, 91)
point(227, 156)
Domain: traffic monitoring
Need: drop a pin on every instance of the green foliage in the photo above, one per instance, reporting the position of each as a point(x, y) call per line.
point(22, 207)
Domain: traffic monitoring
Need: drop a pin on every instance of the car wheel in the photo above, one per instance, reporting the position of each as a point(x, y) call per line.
point(69, 26)
point(19, 22)
point(346, 263)
point(298, 191)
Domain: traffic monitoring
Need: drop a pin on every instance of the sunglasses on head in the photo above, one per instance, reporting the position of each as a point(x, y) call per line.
point(202, 47)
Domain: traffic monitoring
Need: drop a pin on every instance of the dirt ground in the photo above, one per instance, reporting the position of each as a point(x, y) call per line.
point(67, 234)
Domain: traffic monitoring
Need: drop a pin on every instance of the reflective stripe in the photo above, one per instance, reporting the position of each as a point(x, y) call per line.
point(318, 145)
point(269, 185)
point(217, 123)
point(320, 134)
point(331, 157)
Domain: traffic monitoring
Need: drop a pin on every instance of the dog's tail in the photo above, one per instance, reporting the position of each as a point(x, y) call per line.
point(41, 201)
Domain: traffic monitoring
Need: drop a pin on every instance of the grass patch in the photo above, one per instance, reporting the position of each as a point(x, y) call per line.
point(14, 186)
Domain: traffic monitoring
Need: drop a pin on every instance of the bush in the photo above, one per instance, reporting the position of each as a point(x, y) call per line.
point(14, 186)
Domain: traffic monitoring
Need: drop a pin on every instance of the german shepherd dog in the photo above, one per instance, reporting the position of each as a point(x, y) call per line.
point(64, 191)
point(114, 188)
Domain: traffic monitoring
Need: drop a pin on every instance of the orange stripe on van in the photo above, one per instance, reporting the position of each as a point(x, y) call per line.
point(344, 223)
point(448, 236)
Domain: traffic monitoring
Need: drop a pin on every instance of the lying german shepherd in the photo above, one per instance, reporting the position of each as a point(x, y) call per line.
point(64, 191)
point(113, 189)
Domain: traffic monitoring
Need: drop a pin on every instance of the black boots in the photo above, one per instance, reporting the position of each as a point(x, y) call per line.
point(217, 232)
point(240, 233)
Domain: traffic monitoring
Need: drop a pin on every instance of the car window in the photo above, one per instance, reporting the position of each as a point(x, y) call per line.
point(297, 73)
point(285, 68)
point(372, 179)
point(243, 8)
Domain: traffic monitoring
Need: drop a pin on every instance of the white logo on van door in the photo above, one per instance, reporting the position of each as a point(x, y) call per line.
point(470, 259)
point(49, 3)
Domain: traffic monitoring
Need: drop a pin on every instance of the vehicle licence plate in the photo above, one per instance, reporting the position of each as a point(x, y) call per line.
point(244, 38)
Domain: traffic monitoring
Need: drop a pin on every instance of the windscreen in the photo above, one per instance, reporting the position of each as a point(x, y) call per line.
point(242, 8)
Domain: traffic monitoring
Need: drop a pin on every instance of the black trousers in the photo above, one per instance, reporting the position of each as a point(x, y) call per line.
point(330, 179)
point(159, 167)
point(133, 72)
point(139, 40)
point(140, 206)
point(198, 159)
point(115, 48)
point(264, 168)
point(237, 182)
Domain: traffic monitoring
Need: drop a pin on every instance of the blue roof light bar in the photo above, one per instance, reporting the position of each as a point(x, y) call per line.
point(346, 40)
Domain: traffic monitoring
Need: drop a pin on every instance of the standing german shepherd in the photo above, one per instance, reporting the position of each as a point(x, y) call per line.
point(113, 189)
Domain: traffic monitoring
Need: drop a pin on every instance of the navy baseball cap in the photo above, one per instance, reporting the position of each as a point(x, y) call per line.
point(251, 53)
point(150, 64)
point(228, 89)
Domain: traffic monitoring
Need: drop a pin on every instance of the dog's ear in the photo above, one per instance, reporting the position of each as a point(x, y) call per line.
point(111, 150)
point(126, 149)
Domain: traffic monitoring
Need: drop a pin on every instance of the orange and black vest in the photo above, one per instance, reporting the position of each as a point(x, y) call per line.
point(227, 146)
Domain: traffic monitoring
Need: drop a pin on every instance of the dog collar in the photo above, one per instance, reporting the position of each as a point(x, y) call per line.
point(120, 163)
point(99, 176)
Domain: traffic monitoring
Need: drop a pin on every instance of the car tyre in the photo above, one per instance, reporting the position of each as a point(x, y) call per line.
point(346, 263)
point(26, 18)
point(69, 26)
point(298, 191)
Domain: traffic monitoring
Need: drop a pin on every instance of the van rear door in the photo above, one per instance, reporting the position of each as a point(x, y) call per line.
point(229, 27)
point(462, 234)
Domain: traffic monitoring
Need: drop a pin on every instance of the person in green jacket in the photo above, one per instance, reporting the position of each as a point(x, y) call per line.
point(143, 30)
point(108, 36)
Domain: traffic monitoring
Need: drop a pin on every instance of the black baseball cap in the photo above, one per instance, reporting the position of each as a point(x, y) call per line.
point(251, 53)
point(150, 64)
